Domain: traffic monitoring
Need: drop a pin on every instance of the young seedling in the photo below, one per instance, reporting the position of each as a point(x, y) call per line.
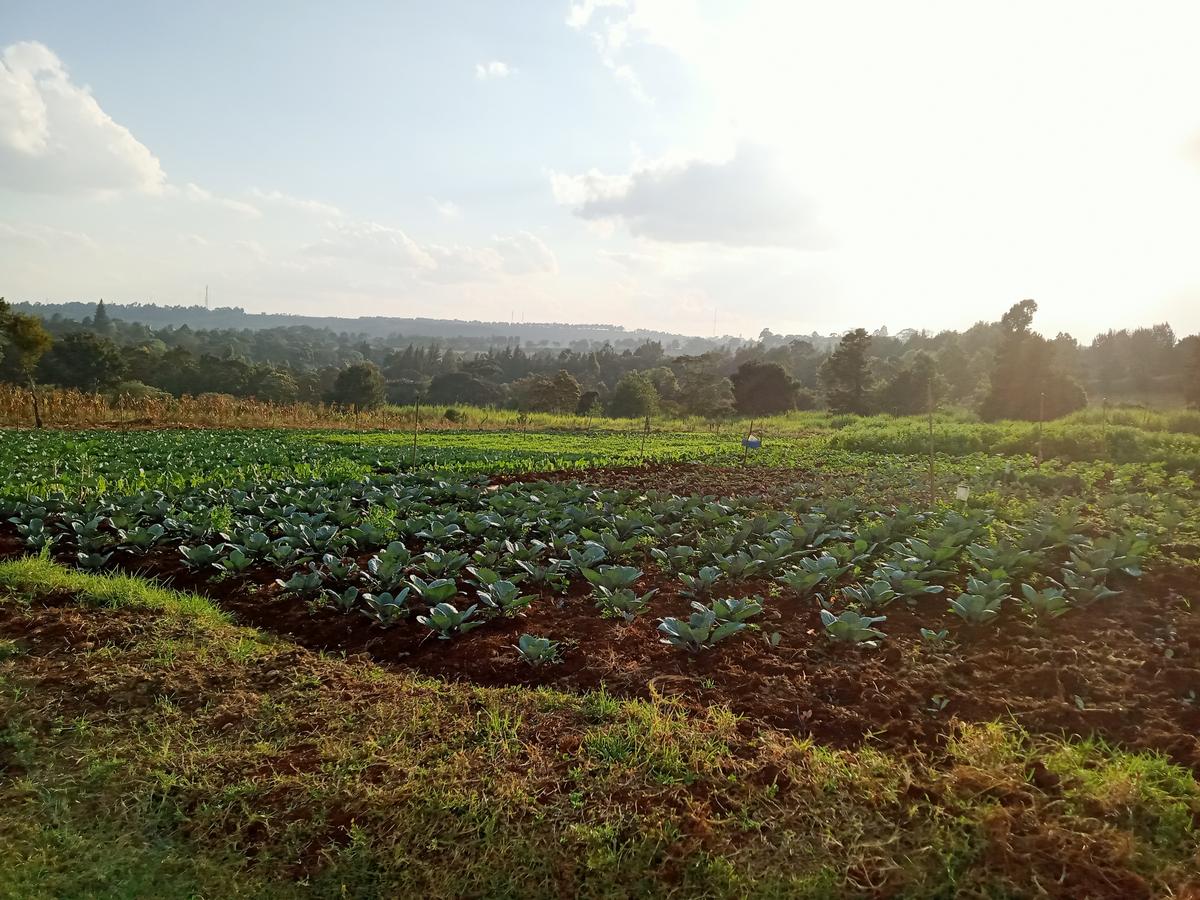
point(975, 609)
point(447, 621)
point(1044, 605)
point(622, 603)
point(537, 651)
point(702, 583)
point(386, 609)
point(506, 598)
point(699, 631)
point(853, 628)
point(731, 609)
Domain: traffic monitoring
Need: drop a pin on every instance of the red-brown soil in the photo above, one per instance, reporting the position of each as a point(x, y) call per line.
point(1127, 670)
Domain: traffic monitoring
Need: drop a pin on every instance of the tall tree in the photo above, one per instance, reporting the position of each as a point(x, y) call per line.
point(26, 342)
point(359, 386)
point(913, 387)
point(763, 389)
point(1024, 382)
point(846, 375)
point(1191, 372)
point(635, 397)
point(101, 323)
point(83, 361)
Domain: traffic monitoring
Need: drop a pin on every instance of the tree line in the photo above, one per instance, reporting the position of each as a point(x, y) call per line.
point(1003, 369)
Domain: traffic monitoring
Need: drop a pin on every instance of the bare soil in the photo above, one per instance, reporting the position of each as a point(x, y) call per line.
point(1127, 670)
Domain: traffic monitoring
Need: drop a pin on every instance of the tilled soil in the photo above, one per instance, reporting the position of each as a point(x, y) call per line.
point(1127, 670)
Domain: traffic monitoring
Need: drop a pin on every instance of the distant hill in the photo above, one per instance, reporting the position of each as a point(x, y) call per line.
point(554, 334)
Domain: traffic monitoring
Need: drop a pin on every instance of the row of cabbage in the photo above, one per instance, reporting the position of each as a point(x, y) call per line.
point(451, 554)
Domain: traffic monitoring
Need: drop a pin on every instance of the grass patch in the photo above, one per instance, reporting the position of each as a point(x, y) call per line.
point(213, 762)
point(36, 577)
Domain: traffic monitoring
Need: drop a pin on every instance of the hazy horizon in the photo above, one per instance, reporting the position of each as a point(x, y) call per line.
point(686, 167)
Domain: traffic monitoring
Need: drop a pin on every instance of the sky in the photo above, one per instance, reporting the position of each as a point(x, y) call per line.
point(695, 167)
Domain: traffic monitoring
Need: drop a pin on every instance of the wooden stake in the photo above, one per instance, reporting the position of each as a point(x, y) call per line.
point(929, 403)
point(416, 427)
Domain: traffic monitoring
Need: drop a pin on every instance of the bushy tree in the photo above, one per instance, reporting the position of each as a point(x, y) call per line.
point(25, 342)
point(1024, 383)
point(634, 397)
point(1191, 372)
point(464, 387)
point(276, 386)
point(84, 361)
point(846, 375)
point(763, 389)
point(912, 388)
point(701, 388)
point(101, 323)
point(589, 403)
point(359, 386)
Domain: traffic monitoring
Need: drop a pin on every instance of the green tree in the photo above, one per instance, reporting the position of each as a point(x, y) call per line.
point(763, 389)
point(912, 387)
point(1191, 372)
point(101, 323)
point(846, 376)
point(589, 401)
point(634, 397)
point(702, 389)
point(83, 361)
point(276, 386)
point(359, 386)
point(566, 392)
point(464, 387)
point(26, 341)
point(1024, 382)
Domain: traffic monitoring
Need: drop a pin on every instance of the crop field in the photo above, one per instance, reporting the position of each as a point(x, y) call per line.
point(603, 663)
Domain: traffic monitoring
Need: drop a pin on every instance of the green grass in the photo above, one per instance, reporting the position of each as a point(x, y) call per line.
point(36, 576)
point(210, 761)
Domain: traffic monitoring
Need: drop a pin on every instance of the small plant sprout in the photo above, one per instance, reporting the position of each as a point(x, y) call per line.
point(434, 592)
point(92, 561)
point(772, 640)
point(1084, 590)
point(733, 610)
point(622, 603)
point(871, 595)
point(304, 584)
point(699, 631)
point(938, 640)
point(235, 563)
point(537, 651)
point(447, 621)
point(505, 597)
point(343, 602)
point(853, 628)
point(975, 609)
point(612, 577)
point(701, 584)
point(386, 609)
point(200, 557)
point(937, 703)
point(1044, 605)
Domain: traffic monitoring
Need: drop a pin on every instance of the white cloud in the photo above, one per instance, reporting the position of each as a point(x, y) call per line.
point(197, 194)
point(299, 204)
point(447, 209)
point(618, 26)
point(43, 237)
point(490, 71)
point(55, 138)
point(373, 243)
point(519, 254)
point(746, 200)
point(525, 254)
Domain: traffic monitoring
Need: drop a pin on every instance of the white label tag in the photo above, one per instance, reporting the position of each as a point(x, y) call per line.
point(963, 492)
